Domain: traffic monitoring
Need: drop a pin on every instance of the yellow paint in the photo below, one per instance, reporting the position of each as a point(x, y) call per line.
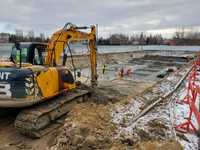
point(48, 82)
point(69, 86)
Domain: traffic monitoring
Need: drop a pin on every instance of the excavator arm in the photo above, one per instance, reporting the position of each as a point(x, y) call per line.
point(72, 33)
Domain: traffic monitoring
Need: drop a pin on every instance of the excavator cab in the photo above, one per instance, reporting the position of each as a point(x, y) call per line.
point(31, 53)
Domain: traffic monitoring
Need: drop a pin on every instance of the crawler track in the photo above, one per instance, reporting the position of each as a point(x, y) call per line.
point(41, 119)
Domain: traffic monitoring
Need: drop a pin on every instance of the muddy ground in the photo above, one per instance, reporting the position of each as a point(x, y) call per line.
point(105, 120)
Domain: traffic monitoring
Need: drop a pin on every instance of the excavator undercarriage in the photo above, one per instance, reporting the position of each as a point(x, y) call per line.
point(41, 119)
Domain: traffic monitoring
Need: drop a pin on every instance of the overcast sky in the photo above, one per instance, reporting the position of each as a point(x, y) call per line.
point(112, 16)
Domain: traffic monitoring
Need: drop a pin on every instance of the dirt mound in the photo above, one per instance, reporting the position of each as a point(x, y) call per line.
point(159, 145)
point(87, 127)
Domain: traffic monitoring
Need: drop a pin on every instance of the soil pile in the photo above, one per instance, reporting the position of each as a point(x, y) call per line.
point(159, 145)
point(88, 126)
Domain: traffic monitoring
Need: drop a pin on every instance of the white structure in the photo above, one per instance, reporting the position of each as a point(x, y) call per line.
point(19, 33)
point(4, 37)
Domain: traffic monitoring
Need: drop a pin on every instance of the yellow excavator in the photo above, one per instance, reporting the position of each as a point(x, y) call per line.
point(37, 81)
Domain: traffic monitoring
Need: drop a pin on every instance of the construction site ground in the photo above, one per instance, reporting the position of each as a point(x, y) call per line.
point(106, 119)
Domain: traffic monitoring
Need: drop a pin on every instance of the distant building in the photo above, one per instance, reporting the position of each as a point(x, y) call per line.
point(31, 34)
point(4, 37)
point(135, 42)
point(42, 36)
point(170, 42)
point(118, 39)
point(19, 33)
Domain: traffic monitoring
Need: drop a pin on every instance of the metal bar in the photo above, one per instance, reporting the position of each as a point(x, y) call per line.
point(162, 98)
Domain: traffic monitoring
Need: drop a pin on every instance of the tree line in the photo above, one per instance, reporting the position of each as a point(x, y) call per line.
point(30, 37)
point(13, 38)
point(187, 36)
point(182, 36)
point(137, 39)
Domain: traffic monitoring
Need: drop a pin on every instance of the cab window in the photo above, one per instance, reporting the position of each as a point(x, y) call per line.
point(24, 55)
point(37, 58)
point(39, 54)
point(15, 54)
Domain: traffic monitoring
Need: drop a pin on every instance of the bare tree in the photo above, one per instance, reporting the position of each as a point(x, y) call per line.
point(180, 33)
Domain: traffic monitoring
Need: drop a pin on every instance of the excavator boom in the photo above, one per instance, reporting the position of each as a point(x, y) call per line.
point(70, 33)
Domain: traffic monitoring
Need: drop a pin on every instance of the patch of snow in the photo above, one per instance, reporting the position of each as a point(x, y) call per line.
point(172, 78)
point(191, 143)
point(123, 115)
point(130, 111)
point(182, 112)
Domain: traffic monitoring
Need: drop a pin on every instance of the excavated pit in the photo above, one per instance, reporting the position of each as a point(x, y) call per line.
point(148, 69)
